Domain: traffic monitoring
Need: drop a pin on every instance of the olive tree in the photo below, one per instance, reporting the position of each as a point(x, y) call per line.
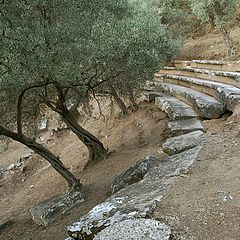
point(41, 44)
point(133, 48)
point(219, 13)
point(51, 48)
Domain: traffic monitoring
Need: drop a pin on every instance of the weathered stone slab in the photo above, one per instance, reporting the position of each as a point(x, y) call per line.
point(217, 65)
point(137, 229)
point(185, 126)
point(182, 143)
point(134, 174)
point(175, 108)
point(47, 211)
point(228, 77)
point(135, 201)
point(205, 105)
point(227, 94)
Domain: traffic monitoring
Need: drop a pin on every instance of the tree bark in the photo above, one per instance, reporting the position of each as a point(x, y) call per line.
point(134, 106)
point(119, 101)
point(95, 147)
point(73, 183)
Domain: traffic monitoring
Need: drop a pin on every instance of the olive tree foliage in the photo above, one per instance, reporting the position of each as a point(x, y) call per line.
point(52, 50)
point(133, 49)
point(219, 13)
point(175, 15)
point(40, 51)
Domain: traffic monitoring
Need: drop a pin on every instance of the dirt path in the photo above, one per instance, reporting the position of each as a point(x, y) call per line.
point(129, 140)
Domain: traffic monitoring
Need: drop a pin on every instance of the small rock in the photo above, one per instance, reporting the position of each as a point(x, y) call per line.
point(227, 198)
point(43, 124)
point(32, 186)
point(11, 167)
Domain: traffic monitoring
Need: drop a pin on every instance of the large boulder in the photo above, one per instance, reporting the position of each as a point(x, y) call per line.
point(134, 174)
point(47, 211)
point(138, 229)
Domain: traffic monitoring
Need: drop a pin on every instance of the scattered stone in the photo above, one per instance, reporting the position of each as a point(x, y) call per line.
point(182, 143)
point(139, 229)
point(134, 174)
point(227, 198)
point(11, 167)
point(137, 200)
point(5, 224)
point(43, 124)
point(47, 211)
point(2, 173)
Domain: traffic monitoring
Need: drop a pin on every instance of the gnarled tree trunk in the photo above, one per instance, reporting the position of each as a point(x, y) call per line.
point(95, 147)
point(134, 106)
point(119, 101)
point(73, 183)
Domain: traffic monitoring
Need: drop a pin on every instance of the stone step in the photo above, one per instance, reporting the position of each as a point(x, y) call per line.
point(182, 143)
point(216, 65)
point(232, 78)
point(180, 127)
point(227, 94)
point(176, 109)
point(180, 63)
point(205, 105)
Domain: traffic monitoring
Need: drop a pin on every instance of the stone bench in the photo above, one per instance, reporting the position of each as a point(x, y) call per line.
point(227, 94)
point(232, 78)
point(216, 65)
point(175, 108)
point(205, 105)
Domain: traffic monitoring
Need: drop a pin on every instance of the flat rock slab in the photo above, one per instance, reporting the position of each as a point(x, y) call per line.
point(134, 174)
point(47, 211)
point(185, 126)
point(175, 108)
point(135, 201)
point(137, 229)
point(182, 143)
point(205, 105)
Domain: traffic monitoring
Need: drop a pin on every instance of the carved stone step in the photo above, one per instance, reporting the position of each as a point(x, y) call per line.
point(216, 65)
point(185, 126)
point(182, 143)
point(232, 78)
point(227, 94)
point(205, 105)
point(175, 108)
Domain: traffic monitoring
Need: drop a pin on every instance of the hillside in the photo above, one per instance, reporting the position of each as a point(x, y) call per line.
point(203, 205)
point(129, 139)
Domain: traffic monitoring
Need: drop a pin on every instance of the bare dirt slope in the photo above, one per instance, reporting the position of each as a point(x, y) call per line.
point(205, 204)
point(129, 139)
point(211, 46)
